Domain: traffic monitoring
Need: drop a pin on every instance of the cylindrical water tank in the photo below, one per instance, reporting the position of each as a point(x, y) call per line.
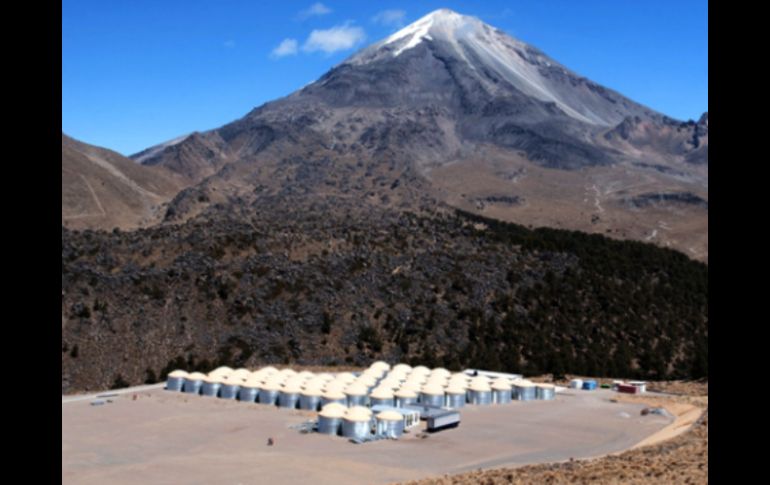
point(334, 396)
point(230, 388)
point(310, 399)
point(382, 396)
point(501, 391)
point(480, 393)
point(268, 393)
point(193, 383)
point(330, 418)
point(357, 423)
point(455, 396)
point(175, 380)
point(211, 386)
point(432, 395)
point(525, 390)
point(390, 424)
point(545, 392)
point(288, 396)
point(248, 394)
point(576, 384)
point(357, 395)
point(405, 397)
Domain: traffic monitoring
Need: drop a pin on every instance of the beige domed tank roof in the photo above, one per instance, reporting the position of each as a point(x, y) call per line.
point(523, 383)
point(333, 412)
point(345, 377)
point(336, 385)
point(271, 386)
point(501, 385)
point(390, 416)
point(335, 405)
point(312, 391)
point(366, 380)
point(390, 383)
point(306, 374)
point(241, 372)
point(295, 380)
point(455, 389)
point(438, 380)
point(358, 413)
point(178, 373)
point(215, 379)
point(545, 386)
point(420, 369)
point(480, 386)
point(380, 365)
point(223, 369)
point(397, 374)
point(253, 381)
point(288, 372)
point(401, 367)
point(233, 380)
point(314, 382)
point(334, 394)
point(268, 370)
point(276, 379)
point(440, 371)
point(480, 379)
point(415, 386)
point(356, 390)
point(406, 392)
point(432, 389)
point(325, 376)
point(218, 374)
point(196, 376)
point(418, 378)
point(291, 389)
point(382, 393)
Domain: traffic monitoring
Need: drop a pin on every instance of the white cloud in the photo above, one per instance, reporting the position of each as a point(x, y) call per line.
point(287, 47)
point(317, 8)
point(338, 38)
point(390, 17)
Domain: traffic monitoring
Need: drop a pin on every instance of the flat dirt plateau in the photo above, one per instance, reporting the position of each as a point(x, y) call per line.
point(161, 437)
point(676, 454)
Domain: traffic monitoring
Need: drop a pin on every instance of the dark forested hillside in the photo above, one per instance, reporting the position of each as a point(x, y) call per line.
point(323, 281)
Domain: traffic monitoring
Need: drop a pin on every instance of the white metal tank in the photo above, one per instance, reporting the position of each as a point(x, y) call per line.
point(330, 418)
point(175, 380)
point(390, 424)
point(193, 383)
point(357, 423)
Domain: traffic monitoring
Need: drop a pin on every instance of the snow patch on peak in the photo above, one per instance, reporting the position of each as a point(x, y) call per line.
point(443, 23)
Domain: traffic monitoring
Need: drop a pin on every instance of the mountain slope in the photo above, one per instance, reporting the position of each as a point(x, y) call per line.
point(476, 119)
point(326, 280)
point(103, 189)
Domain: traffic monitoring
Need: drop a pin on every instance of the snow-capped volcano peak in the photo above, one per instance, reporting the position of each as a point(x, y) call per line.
point(441, 23)
point(491, 60)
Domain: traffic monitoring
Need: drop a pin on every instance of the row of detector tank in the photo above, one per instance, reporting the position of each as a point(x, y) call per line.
point(362, 423)
point(380, 384)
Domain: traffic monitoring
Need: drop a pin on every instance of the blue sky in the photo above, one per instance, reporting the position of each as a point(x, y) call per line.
point(138, 73)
